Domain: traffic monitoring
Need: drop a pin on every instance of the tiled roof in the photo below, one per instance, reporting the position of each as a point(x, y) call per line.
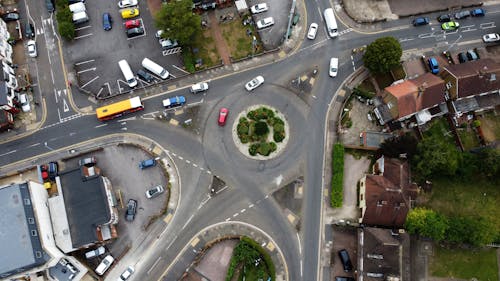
point(475, 77)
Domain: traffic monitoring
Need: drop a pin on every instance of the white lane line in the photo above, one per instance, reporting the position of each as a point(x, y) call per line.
point(55, 95)
point(242, 211)
point(84, 85)
point(209, 172)
point(83, 27)
point(187, 161)
point(180, 68)
point(187, 222)
point(154, 264)
point(235, 215)
point(251, 206)
point(35, 144)
point(228, 219)
point(83, 62)
point(300, 247)
point(102, 125)
point(194, 165)
point(83, 36)
point(88, 69)
point(180, 157)
point(10, 152)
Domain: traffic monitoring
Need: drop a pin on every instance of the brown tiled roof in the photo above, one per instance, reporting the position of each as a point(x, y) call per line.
point(414, 95)
point(475, 77)
point(388, 195)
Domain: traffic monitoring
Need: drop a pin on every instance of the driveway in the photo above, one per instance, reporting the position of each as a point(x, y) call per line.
point(94, 54)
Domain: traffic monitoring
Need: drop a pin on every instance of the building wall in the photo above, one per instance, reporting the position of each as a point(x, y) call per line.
point(392, 103)
point(362, 197)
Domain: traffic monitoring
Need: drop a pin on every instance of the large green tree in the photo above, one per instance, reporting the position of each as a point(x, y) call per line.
point(477, 231)
point(382, 55)
point(178, 21)
point(395, 146)
point(427, 223)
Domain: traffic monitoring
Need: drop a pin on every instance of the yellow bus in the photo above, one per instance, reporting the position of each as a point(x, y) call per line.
point(117, 109)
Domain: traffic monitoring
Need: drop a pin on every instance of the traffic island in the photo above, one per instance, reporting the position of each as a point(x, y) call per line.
point(261, 132)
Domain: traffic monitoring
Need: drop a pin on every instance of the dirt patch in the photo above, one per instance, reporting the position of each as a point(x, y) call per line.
point(344, 238)
point(215, 263)
point(239, 38)
point(490, 124)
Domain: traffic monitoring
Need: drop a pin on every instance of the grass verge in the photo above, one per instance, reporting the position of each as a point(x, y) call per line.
point(336, 196)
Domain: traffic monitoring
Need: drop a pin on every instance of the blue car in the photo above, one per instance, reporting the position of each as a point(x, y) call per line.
point(147, 163)
point(420, 21)
point(106, 21)
point(174, 101)
point(433, 64)
point(477, 12)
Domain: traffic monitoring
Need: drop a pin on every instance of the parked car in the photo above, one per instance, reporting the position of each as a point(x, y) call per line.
point(134, 32)
point(295, 19)
point(25, 103)
point(174, 102)
point(130, 13)
point(451, 25)
point(89, 161)
point(462, 57)
point(472, 55)
point(49, 5)
point(334, 65)
point(341, 278)
point(131, 210)
point(127, 273)
point(346, 261)
point(132, 24)
point(167, 44)
point(95, 253)
point(32, 52)
point(158, 34)
point(127, 3)
point(147, 163)
point(199, 87)
point(477, 12)
point(223, 112)
point(104, 265)
point(155, 191)
point(313, 29)
point(145, 76)
point(490, 38)
point(53, 169)
point(462, 15)
point(254, 83)
point(444, 18)
point(11, 16)
point(433, 65)
point(107, 21)
point(259, 8)
point(28, 30)
point(420, 21)
point(263, 23)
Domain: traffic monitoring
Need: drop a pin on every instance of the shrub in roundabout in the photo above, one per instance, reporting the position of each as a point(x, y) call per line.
point(254, 130)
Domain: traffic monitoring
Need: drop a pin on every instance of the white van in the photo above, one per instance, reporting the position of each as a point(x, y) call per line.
point(331, 23)
point(77, 7)
point(127, 73)
point(80, 17)
point(155, 68)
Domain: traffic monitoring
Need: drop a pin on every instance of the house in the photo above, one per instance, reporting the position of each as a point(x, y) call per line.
point(385, 196)
point(383, 254)
point(6, 120)
point(418, 98)
point(473, 86)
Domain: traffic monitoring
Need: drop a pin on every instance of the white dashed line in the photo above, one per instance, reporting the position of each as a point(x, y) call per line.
point(209, 172)
point(251, 206)
point(228, 219)
point(187, 161)
point(242, 211)
point(235, 215)
point(180, 157)
point(195, 165)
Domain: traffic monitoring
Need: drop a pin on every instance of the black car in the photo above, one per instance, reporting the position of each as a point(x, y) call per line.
point(133, 32)
point(28, 30)
point(131, 210)
point(49, 5)
point(346, 261)
point(145, 76)
point(11, 16)
point(462, 57)
point(462, 15)
point(444, 18)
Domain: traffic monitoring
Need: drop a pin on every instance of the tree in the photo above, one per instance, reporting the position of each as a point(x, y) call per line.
point(427, 223)
point(261, 128)
point(67, 30)
point(436, 157)
point(395, 146)
point(178, 21)
point(488, 162)
point(382, 55)
point(477, 231)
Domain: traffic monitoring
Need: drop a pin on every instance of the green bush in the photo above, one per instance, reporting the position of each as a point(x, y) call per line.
point(363, 93)
point(252, 150)
point(61, 4)
point(273, 146)
point(264, 149)
point(265, 256)
point(261, 128)
point(64, 15)
point(336, 196)
point(242, 129)
point(188, 61)
point(244, 138)
point(260, 114)
point(67, 30)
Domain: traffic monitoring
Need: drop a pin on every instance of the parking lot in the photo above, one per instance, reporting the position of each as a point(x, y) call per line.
point(279, 10)
point(94, 54)
point(344, 238)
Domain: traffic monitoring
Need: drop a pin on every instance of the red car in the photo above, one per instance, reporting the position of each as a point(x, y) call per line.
point(132, 24)
point(223, 112)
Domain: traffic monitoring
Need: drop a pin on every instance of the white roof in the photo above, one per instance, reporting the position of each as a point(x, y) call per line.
point(135, 102)
point(241, 5)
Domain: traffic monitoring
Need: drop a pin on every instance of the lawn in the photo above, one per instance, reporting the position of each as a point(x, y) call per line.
point(440, 127)
point(464, 264)
point(468, 138)
point(239, 43)
point(205, 45)
point(490, 124)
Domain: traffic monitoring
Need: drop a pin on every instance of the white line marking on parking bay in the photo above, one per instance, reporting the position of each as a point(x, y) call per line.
point(84, 62)
point(83, 36)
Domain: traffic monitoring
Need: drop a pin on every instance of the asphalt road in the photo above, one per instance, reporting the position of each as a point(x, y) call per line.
point(249, 181)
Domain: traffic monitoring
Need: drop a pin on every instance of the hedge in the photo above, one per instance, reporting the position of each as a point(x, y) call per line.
point(265, 256)
point(336, 196)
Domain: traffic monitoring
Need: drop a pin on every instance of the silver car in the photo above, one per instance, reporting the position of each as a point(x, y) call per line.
point(155, 191)
point(263, 23)
point(199, 87)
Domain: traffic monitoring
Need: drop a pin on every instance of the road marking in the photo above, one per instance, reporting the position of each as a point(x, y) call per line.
point(242, 211)
point(154, 264)
point(195, 165)
point(235, 215)
point(84, 85)
point(228, 219)
point(175, 66)
point(300, 247)
point(209, 172)
point(86, 70)
point(187, 222)
point(84, 62)
point(251, 206)
point(10, 152)
point(83, 27)
point(35, 144)
point(487, 25)
point(180, 157)
point(55, 95)
point(187, 161)
point(102, 125)
point(65, 106)
point(83, 36)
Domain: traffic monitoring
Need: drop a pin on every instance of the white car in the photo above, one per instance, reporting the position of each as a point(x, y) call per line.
point(259, 8)
point(25, 103)
point(263, 23)
point(199, 87)
point(32, 49)
point(313, 29)
point(158, 34)
point(334, 65)
point(104, 265)
point(94, 253)
point(126, 274)
point(492, 37)
point(254, 83)
point(127, 3)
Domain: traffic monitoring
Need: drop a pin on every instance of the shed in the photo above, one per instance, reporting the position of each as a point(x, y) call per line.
point(241, 6)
